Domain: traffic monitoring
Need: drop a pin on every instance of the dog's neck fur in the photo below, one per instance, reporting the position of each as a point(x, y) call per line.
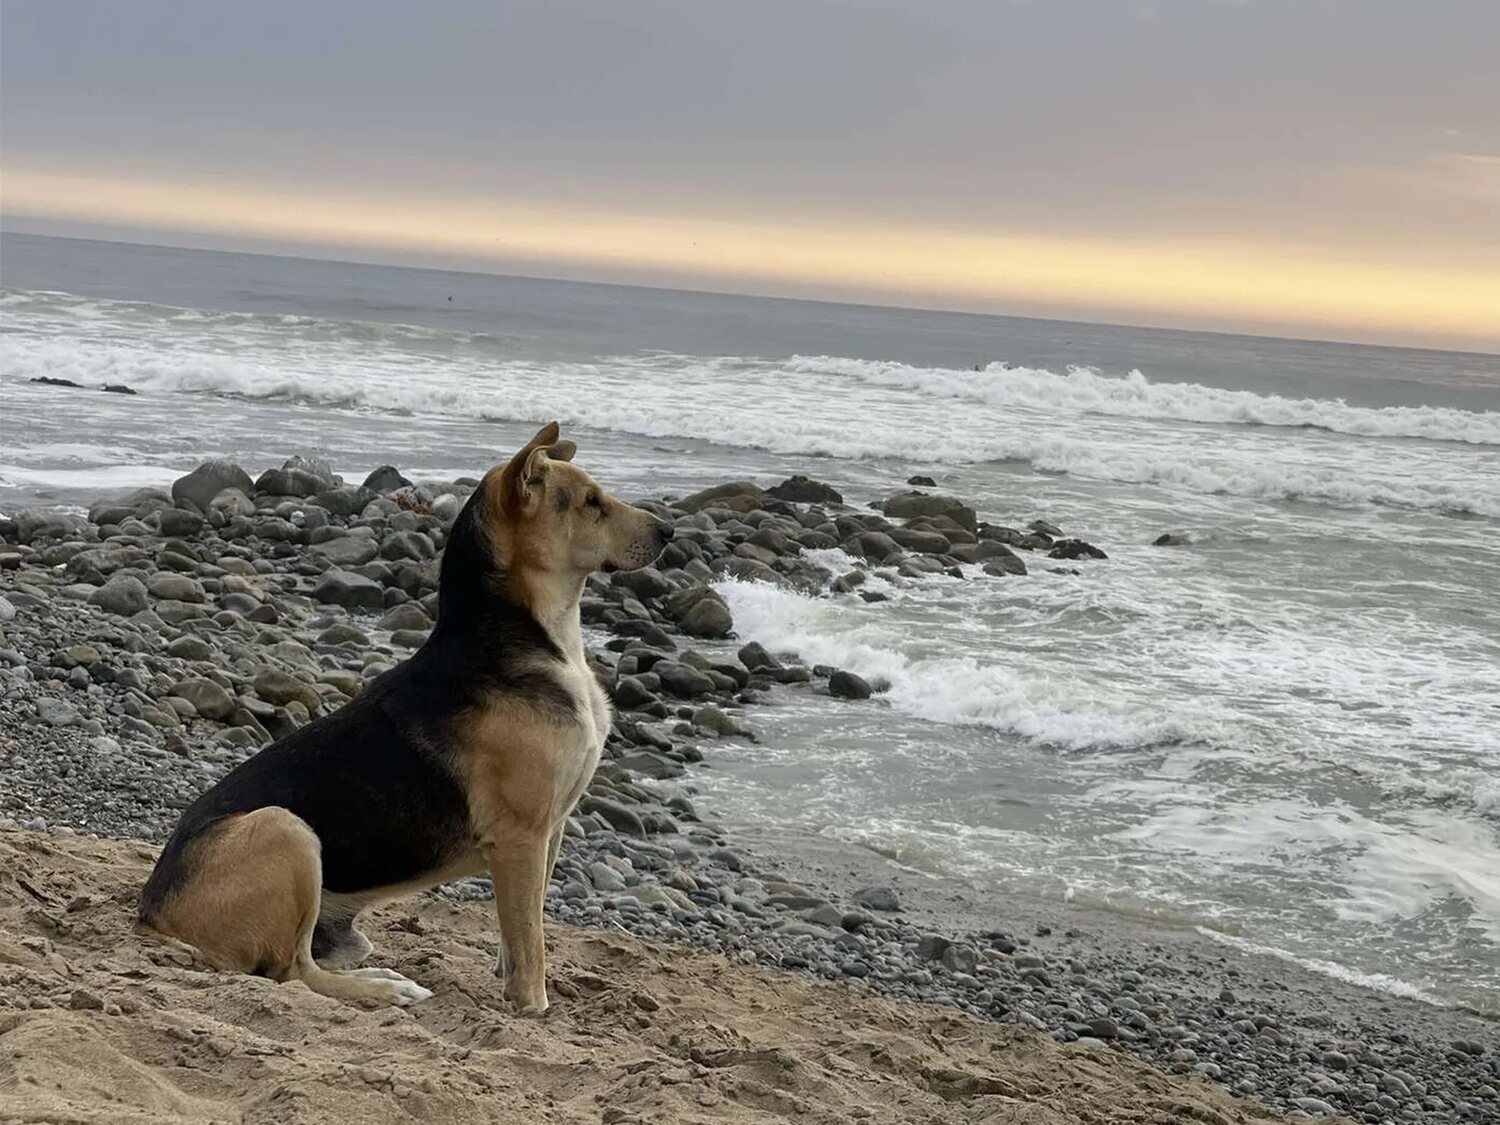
point(493, 613)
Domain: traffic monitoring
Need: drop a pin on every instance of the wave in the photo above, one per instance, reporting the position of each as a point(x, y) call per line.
point(957, 690)
point(1085, 390)
point(1380, 982)
point(761, 405)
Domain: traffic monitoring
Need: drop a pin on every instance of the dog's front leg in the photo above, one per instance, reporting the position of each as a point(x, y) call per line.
point(518, 870)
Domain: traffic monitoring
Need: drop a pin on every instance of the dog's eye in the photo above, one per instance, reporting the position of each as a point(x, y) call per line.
point(593, 501)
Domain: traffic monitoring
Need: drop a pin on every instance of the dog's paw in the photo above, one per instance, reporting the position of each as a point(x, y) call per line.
point(405, 993)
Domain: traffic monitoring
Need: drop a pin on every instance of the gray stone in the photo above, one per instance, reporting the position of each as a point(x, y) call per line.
point(387, 478)
point(877, 898)
point(208, 698)
point(122, 594)
point(209, 479)
point(846, 685)
point(278, 687)
point(175, 587)
point(56, 713)
point(346, 551)
point(345, 588)
point(407, 615)
point(681, 680)
point(189, 647)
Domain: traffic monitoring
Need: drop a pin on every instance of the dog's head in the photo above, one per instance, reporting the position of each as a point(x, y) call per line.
point(545, 515)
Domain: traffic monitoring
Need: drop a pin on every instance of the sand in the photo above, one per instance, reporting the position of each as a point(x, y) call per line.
point(101, 1023)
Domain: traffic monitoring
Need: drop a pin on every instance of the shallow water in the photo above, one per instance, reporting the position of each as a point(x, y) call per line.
point(1287, 731)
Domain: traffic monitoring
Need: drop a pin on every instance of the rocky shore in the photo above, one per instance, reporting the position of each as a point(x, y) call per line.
point(152, 644)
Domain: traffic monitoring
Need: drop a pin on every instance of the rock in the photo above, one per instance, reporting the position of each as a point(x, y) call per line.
point(921, 481)
point(682, 680)
point(209, 479)
point(1171, 539)
point(1042, 527)
point(1004, 565)
point(387, 478)
point(631, 694)
point(407, 615)
point(1104, 1028)
point(411, 545)
point(1075, 549)
point(846, 685)
point(709, 618)
point(737, 496)
point(625, 820)
point(798, 489)
point(883, 899)
point(210, 700)
point(278, 687)
point(56, 713)
point(932, 946)
point(345, 588)
point(298, 476)
point(912, 505)
point(755, 657)
point(189, 647)
point(349, 550)
point(122, 594)
point(7, 611)
point(646, 582)
point(960, 959)
point(175, 587)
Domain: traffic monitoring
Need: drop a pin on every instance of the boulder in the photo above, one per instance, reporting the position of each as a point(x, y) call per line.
point(350, 590)
point(387, 478)
point(279, 688)
point(209, 479)
point(737, 496)
point(709, 618)
point(1075, 549)
point(911, 505)
point(799, 489)
point(347, 551)
point(298, 476)
point(173, 523)
point(210, 700)
point(122, 594)
point(846, 685)
point(682, 680)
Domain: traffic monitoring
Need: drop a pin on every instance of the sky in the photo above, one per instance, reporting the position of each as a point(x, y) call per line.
point(1322, 168)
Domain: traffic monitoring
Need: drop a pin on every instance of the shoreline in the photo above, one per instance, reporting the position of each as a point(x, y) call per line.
point(151, 646)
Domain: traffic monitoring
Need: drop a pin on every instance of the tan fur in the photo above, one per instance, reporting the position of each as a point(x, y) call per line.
point(549, 525)
point(264, 870)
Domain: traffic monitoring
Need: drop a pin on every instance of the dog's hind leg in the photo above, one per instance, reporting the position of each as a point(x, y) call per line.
point(250, 903)
point(336, 944)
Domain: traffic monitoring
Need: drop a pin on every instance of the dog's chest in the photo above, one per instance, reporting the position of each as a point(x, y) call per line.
point(585, 738)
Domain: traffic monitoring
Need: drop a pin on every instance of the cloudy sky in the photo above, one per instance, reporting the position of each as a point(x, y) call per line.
point(1304, 167)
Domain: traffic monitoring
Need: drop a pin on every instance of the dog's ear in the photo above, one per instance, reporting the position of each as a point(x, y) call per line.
point(563, 450)
point(522, 478)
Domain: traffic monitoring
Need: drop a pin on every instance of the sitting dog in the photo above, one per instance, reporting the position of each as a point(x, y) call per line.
point(466, 758)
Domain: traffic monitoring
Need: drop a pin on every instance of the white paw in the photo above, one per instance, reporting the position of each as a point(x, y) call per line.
point(405, 993)
point(376, 974)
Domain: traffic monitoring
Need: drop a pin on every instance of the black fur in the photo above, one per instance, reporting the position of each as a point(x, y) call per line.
point(376, 780)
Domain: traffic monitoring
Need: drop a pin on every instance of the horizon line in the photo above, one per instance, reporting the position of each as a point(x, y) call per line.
point(8, 228)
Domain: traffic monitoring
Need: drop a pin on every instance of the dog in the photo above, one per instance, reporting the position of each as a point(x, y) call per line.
point(466, 758)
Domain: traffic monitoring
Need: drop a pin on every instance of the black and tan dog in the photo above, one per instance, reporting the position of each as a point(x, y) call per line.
point(467, 758)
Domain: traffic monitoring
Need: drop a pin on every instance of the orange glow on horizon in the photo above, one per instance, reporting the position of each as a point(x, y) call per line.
point(1246, 282)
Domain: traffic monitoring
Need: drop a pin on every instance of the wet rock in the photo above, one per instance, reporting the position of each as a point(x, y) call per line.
point(921, 481)
point(799, 489)
point(204, 483)
point(912, 505)
point(736, 496)
point(387, 478)
point(407, 615)
point(682, 680)
point(847, 685)
point(709, 618)
point(1171, 539)
point(1075, 549)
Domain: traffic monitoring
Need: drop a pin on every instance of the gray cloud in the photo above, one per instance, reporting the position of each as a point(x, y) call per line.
point(1293, 119)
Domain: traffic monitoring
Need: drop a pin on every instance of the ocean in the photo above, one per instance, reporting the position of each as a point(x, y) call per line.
point(1285, 734)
